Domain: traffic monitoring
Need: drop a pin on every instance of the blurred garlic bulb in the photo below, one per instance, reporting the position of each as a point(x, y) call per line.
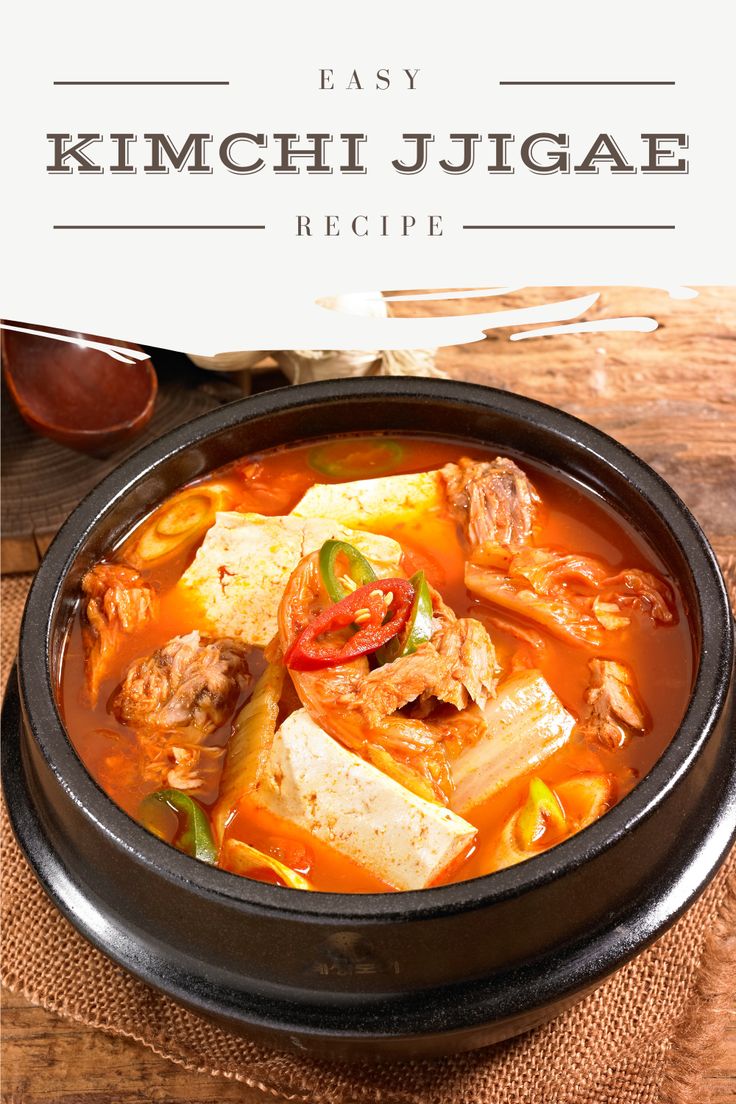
point(409, 362)
point(229, 362)
point(303, 365)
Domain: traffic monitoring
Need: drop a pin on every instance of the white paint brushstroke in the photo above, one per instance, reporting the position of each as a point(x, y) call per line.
point(682, 292)
point(404, 333)
point(464, 329)
point(555, 311)
point(116, 352)
point(602, 325)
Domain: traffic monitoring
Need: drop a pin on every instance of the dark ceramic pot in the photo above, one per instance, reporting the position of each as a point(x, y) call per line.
point(397, 974)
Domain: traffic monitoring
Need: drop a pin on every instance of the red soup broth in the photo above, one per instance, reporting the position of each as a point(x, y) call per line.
point(572, 519)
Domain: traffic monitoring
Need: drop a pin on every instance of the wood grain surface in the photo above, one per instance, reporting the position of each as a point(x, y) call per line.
point(670, 396)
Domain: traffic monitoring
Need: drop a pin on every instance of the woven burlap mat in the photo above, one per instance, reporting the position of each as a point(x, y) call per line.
point(647, 1036)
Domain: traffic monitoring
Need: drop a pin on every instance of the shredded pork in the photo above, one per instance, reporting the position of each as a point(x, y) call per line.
point(456, 666)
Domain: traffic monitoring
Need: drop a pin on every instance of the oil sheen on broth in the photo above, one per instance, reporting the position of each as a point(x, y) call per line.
point(242, 679)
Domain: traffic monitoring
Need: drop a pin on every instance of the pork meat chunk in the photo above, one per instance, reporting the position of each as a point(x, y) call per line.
point(495, 503)
point(117, 602)
point(469, 660)
point(456, 666)
point(190, 683)
point(614, 710)
point(175, 699)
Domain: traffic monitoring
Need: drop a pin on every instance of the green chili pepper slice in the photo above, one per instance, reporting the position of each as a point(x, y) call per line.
point(418, 626)
point(194, 836)
point(359, 570)
point(355, 457)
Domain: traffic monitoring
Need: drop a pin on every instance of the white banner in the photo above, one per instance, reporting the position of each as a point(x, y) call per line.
point(204, 177)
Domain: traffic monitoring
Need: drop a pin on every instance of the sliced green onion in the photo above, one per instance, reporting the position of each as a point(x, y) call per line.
point(194, 836)
point(542, 808)
point(359, 570)
point(418, 627)
point(334, 458)
point(244, 859)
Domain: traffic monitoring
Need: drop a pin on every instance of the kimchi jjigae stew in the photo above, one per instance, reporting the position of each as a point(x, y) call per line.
point(374, 664)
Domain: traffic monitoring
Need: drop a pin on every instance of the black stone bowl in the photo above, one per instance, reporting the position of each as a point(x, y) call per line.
point(397, 974)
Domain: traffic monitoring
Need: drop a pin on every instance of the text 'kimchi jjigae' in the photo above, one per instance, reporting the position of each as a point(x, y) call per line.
point(373, 664)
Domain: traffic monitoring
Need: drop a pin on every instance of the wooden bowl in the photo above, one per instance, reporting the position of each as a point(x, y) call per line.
point(77, 395)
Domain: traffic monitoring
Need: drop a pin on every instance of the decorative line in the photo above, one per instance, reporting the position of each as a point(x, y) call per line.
point(153, 226)
point(566, 226)
point(581, 82)
point(138, 82)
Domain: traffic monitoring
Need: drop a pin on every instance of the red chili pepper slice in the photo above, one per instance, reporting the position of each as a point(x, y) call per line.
point(383, 622)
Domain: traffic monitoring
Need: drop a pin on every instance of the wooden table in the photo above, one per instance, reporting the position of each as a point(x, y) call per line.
point(671, 397)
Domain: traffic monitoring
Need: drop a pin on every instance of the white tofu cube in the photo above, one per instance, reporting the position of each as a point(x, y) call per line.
point(241, 569)
point(527, 723)
point(314, 782)
point(373, 502)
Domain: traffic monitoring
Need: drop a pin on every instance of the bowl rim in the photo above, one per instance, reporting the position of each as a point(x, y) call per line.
point(708, 697)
